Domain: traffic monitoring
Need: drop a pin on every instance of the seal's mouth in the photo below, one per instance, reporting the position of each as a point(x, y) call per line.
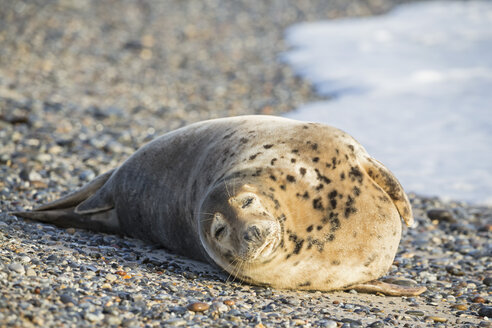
point(265, 250)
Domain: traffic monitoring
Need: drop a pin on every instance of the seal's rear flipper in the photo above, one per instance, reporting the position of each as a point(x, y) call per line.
point(387, 181)
point(90, 207)
point(385, 288)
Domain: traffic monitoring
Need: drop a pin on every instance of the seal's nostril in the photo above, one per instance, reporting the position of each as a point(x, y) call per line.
point(253, 233)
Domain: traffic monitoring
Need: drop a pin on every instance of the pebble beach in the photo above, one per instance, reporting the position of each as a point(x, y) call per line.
point(83, 84)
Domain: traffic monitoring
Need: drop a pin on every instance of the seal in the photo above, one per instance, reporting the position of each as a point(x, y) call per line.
point(270, 200)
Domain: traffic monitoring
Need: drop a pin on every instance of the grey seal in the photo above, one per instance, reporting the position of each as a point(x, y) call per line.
point(270, 200)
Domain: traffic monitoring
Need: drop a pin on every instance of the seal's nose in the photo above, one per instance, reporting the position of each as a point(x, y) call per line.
point(254, 234)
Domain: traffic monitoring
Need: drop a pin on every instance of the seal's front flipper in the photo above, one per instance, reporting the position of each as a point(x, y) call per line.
point(385, 288)
point(90, 207)
point(387, 181)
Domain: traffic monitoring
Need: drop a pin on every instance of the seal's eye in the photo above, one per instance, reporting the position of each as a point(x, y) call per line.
point(220, 232)
point(247, 202)
point(219, 227)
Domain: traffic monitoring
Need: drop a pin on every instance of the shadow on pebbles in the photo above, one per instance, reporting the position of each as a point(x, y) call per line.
point(85, 83)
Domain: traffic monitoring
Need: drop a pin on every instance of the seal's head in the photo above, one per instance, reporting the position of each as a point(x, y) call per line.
point(237, 229)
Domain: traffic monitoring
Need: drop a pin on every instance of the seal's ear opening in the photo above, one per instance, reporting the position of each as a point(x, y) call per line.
point(387, 181)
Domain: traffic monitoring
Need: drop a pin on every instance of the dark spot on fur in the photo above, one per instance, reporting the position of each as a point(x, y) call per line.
point(314, 146)
point(305, 127)
point(335, 224)
point(268, 146)
point(351, 147)
point(298, 242)
point(292, 160)
point(332, 218)
point(355, 174)
point(304, 284)
point(243, 140)
point(252, 157)
point(370, 259)
point(356, 191)
point(273, 177)
point(290, 178)
point(316, 159)
point(282, 187)
point(349, 208)
point(332, 196)
point(334, 163)
point(335, 262)
point(319, 228)
point(302, 171)
point(337, 151)
point(322, 177)
point(342, 176)
point(328, 165)
point(305, 195)
point(229, 135)
point(310, 228)
point(330, 237)
point(295, 151)
point(316, 242)
point(384, 199)
point(272, 162)
point(320, 186)
point(318, 204)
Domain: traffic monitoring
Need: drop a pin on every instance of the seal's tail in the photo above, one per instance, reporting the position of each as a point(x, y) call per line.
point(387, 181)
point(65, 211)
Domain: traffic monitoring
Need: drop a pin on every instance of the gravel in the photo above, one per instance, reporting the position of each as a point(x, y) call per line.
point(85, 83)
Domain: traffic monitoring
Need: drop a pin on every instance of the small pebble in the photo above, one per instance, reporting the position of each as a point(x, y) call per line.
point(25, 259)
point(198, 307)
point(67, 298)
point(175, 322)
point(110, 277)
point(17, 267)
point(327, 323)
point(478, 299)
point(377, 324)
point(229, 302)
point(436, 319)
point(441, 215)
point(94, 317)
point(485, 311)
point(461, 307)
